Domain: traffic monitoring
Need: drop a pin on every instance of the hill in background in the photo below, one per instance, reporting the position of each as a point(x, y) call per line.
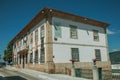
point(115, 57)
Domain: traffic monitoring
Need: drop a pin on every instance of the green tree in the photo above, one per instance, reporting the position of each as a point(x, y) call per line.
point(8, 53)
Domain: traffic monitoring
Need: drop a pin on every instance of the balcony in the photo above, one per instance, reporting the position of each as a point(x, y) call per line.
point(23, 50)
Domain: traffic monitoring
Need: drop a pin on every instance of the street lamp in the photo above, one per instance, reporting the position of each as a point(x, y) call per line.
point(94, 61)
point(73, 67)
point(95, 70)
point(72, 60)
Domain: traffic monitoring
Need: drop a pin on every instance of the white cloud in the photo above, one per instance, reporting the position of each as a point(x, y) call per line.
point(118, 31)
point(109, 32)
point(115, 50)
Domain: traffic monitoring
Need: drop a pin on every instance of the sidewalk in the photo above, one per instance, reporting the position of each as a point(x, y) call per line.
point(46, 76)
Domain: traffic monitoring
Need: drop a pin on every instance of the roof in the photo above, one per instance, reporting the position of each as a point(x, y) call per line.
point(53, 12)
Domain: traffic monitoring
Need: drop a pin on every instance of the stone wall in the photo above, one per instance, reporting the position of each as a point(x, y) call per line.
point(85, 69)
point(65, 68)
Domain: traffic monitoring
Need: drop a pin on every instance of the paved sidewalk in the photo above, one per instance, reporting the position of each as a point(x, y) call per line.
point(46, 76)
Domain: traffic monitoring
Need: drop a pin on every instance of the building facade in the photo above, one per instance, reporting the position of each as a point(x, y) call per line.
point(54, 37)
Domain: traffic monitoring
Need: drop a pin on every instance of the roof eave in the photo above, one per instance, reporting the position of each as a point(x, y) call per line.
point(41, 15)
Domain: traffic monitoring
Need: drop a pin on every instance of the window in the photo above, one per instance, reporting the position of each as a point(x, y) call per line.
point(36, 35)
point(36, 56)
point(31, 38)
point(42, 32)
point(98, 54)
point(73, 32)
point(75, 54)
point(95, 35)
point(57, 30)
point(42, 56)
point(42, 52)
point(25, 42)
point(36, 39)
point(20, 43)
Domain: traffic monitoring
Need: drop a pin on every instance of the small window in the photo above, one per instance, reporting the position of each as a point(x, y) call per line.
point(73, 32)
point(95, 35)
point(98, 54)
point(36, 35)
point(75, 54)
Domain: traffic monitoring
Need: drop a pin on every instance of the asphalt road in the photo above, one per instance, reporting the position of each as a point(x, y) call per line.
point(15, 75)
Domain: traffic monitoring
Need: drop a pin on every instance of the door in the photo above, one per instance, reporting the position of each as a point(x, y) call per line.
point(23, 61)
point(100, 73)
point(78, 72)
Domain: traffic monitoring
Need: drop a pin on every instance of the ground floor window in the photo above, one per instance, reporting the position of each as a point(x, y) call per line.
point(42, 56)
point(36, 56)
point(98, 54)
point(75, 54)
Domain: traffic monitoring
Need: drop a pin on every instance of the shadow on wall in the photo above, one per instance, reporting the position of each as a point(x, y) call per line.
point(12, 78)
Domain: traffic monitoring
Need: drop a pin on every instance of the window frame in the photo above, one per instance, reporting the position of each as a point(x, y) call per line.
point(42, 56)
point(98, 56)
point(73, 35)
point(42, 31)
point(95, 35)
point(36, 35)
point(31, 38)
point(76, 57)
point(36, 57)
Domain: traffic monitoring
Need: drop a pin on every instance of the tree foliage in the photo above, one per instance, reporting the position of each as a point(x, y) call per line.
point(8, 53)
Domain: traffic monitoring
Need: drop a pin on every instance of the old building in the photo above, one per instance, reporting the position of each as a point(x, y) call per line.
point(54, 37)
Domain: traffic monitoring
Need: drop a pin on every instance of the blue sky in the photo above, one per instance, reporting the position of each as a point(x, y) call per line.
point(15, 14)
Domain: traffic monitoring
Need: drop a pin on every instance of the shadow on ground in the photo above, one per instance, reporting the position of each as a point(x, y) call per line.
point(12, 78)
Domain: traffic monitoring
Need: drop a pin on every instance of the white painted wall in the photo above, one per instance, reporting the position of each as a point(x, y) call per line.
point(85, 33)
point(85, 43)
point(62, 53)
